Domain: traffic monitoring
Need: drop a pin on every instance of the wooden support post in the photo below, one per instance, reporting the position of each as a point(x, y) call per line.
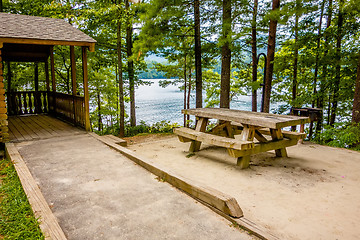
point(247, 134)
point(86, 90)
point(9, 88)
point(302, 130)
point(4, 135)
point(53, 82)
point(36, 96)
point(73, 80)
point(47, 79)
point(200, 127)
point(276, 134)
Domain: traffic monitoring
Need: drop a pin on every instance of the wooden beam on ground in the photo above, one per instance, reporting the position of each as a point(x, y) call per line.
point(223, 202)
point(86, 90)
point(116, 140)
point(48, 222)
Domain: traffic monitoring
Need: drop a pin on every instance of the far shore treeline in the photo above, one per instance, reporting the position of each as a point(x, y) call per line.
point(308, 52)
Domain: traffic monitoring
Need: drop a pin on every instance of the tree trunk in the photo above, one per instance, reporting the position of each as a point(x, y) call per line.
point(270, 56)
point(226, 55)
point(198, 69)
point(254, 55)
point(296, 53)
point(356, 104)
point(317, 53)
point(185, 87)
point(316, 65)
point(338, 63)
point(129, 46)
point(99, 111)
point(188, 97)
point(320, 101)
point(121, 82)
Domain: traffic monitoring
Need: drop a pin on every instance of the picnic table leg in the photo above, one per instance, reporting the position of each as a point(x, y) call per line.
point(247, 134)
point(302, 128)
point(201, 127)
point(276, 134)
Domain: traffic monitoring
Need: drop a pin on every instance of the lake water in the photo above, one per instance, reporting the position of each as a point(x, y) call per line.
point(154, 103)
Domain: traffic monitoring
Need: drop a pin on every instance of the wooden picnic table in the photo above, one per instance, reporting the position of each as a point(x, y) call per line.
point(243, 133)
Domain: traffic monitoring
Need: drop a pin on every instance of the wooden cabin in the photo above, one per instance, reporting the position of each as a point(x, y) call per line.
point(32, 39)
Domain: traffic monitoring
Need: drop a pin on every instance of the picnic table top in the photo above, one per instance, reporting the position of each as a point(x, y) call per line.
point(268, 120)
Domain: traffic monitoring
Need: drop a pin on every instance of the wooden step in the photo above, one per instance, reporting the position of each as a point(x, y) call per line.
point(116, 140)
point(187, 134)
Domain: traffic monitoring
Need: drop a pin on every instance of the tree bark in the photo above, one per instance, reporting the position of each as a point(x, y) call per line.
point(254, 55)
point(296, 54)
point(185, 87)
point(188, 97)
point(198, 69)
point(338, 63)
point(121, 82)
point(270, 56)
point(317, 53)
point(356, 104)
point(320, 101)
point(129, 46)
point(99, 111)
point(226, 55)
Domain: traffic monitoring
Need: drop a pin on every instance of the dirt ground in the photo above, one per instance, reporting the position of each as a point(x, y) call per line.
point(312, 194)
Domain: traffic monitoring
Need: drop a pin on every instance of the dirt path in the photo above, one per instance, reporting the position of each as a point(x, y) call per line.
point(314, 194)
point(96, 193)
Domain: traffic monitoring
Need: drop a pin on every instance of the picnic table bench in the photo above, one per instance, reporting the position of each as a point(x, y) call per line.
point(243, 133)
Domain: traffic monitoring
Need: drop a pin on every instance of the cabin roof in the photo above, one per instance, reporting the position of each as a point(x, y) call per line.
point(23, 29)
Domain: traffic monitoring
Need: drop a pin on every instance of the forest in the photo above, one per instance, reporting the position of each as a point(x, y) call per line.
point(298, 53)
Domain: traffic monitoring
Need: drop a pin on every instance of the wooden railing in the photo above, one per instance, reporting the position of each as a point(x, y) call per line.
point(32, 102)
point(68, 107)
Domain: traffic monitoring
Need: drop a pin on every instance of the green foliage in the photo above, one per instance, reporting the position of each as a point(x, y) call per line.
point(343, 135)
point(17, 220)
point(159, 127)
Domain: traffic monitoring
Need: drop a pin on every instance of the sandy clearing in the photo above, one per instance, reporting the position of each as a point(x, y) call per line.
point(313, 194)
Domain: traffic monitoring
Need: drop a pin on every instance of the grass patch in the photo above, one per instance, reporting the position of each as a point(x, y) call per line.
point(17, 220)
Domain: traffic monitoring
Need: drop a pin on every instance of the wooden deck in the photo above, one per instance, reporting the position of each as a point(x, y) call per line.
point(35, 127)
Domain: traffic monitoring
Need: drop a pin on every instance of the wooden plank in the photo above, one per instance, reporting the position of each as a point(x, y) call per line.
point(45, 125)
point(263, 147)
point(25, 132)
point(47, 221)
point(259, 136)
point(247, 134)
point(91, 45)
point(286, 134)
point(15, 134)
point(200, 127)
point(223, 202)
point(274, 121)
point(39, 130)
point(213, 139)
point(18, 129)
point(247, 225)
point(276, 134)
point(116, 140)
